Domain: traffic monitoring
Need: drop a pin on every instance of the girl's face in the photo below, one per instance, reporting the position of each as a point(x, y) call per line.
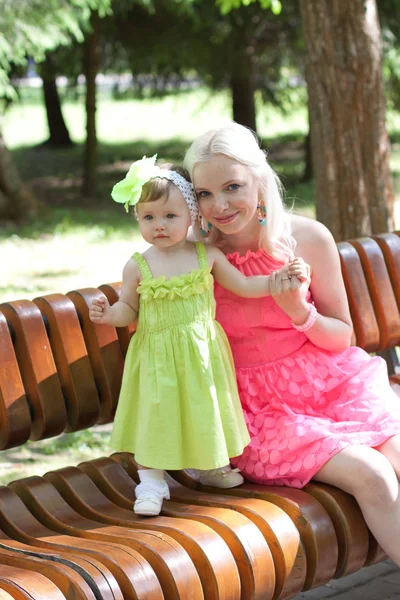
point(227, 193)
point(166, 221)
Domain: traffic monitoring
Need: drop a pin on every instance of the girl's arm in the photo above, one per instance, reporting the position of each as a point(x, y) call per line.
point(333, 328)
point(125, 311)
point(256, 286)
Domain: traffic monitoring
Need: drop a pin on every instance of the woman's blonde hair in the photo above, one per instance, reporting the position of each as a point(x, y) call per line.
point(156, 188)
point(240, 144)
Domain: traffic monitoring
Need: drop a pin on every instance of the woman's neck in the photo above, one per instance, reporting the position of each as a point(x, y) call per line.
point(241, 242)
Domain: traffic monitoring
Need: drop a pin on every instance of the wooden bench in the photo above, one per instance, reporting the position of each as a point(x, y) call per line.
point(72, 533)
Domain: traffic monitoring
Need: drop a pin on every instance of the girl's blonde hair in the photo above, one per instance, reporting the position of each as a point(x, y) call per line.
point(154, 189)
point(240, 144)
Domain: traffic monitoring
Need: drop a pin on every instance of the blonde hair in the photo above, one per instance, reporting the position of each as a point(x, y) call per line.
point(156, 188)
point(240, 144)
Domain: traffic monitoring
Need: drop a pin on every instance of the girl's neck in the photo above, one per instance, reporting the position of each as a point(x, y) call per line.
point(178, 247)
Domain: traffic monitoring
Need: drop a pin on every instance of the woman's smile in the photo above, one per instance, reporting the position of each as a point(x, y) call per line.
point(226, 219)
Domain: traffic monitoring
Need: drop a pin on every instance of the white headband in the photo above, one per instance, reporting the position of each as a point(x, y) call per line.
point(184, 186)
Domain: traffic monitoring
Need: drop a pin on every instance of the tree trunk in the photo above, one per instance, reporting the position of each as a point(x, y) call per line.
point(17, 202)
point(91, 64)
point(58, 133)
point(242, 89)
point(308, 169)
point(350, 146)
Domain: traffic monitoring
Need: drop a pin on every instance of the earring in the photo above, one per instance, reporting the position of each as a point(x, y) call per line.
point(205, 230)
point(262, 213)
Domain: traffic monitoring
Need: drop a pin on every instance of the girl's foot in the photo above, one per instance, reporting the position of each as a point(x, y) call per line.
point(150, 492)
point(224, 477)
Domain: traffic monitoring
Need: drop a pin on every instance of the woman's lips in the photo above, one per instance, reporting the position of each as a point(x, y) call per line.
point(227, 219)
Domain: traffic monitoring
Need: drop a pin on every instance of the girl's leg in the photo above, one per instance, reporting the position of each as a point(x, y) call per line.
point(368, 475)
point(391, 449)
point(150, 492)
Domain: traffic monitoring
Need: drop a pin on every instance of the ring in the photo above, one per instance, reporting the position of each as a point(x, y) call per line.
point(286, 278)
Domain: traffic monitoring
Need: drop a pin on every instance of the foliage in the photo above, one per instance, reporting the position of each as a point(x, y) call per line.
point(32, 27)
point(227, 5)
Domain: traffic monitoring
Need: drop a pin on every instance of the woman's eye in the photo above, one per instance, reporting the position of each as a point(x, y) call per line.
point(233, 187)
point(170, 216)
point(203, 194)
point(148, 217)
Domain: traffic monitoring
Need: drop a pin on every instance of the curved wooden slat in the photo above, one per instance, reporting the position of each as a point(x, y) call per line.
point(175, 570)
point(312, 521)
point(212, 559)
point(38, 370)
point(104, 353)
point(133, 573)
point(112, 292)
point(276, 527)
point(96, 575)
point(365, 325)
point(348, 521)
point(389, 243)
point(375, 552)
point(15, 418)
point(381, 291)
point(30, 585)
point(71, 584)
point(248, 546)
point(71, 359)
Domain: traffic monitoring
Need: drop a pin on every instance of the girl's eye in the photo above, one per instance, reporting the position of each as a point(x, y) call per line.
point(170, 216)
point(203, 194)
point(233, 187)
point(148, 217)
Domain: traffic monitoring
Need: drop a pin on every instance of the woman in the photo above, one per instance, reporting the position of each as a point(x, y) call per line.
point(315, 407)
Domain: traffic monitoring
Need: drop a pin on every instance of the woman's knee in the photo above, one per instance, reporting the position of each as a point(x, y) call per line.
point(363, 472)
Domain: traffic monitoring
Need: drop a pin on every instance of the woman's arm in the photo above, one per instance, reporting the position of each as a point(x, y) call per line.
point(332, 329)
point(125, 311)
point(256, 286)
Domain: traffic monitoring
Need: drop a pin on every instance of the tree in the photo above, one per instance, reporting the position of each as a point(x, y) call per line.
point(350, 146)
point(32, 27)
point(58, 132)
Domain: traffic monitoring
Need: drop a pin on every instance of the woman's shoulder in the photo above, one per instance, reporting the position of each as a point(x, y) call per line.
point(308, 231)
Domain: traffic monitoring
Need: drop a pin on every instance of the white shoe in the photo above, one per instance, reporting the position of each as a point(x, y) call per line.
point(224, 477)
point(149, 498)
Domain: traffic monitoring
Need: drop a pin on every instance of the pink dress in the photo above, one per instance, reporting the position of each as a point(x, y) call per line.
point(301, 404)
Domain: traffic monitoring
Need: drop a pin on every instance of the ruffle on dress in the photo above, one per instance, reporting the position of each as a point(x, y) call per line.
point(182, 286)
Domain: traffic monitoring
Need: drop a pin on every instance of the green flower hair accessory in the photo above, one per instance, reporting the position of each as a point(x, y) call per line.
point(129, 190)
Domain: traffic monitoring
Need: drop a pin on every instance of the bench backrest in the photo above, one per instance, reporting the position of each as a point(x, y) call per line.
point(60, 372)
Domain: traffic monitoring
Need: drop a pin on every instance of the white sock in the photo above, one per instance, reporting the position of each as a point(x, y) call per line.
point(153, 475)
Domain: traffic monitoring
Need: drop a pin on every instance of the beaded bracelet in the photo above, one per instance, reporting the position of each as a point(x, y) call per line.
point(312, 315)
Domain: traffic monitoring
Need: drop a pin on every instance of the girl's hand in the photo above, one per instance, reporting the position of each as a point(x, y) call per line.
point(99, 311)
point(299, 268)
point(289, 287)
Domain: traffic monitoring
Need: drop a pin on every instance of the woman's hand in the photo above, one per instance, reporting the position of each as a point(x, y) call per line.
point(99, 311)
point(289, 287)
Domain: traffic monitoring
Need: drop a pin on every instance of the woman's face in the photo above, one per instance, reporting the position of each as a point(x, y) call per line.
point(227, 192)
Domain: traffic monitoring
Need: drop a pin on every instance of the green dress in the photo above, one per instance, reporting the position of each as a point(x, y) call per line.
point(179, 407)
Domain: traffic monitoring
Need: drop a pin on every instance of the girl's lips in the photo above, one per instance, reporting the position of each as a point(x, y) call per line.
point(227, 219)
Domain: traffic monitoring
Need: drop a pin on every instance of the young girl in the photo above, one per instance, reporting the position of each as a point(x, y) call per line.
point(179, 407)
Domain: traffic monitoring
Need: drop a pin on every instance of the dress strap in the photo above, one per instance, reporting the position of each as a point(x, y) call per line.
point(143, 266)
point(202, 254)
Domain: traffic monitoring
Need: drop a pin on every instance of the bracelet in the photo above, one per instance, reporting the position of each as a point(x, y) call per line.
point(312, 315)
